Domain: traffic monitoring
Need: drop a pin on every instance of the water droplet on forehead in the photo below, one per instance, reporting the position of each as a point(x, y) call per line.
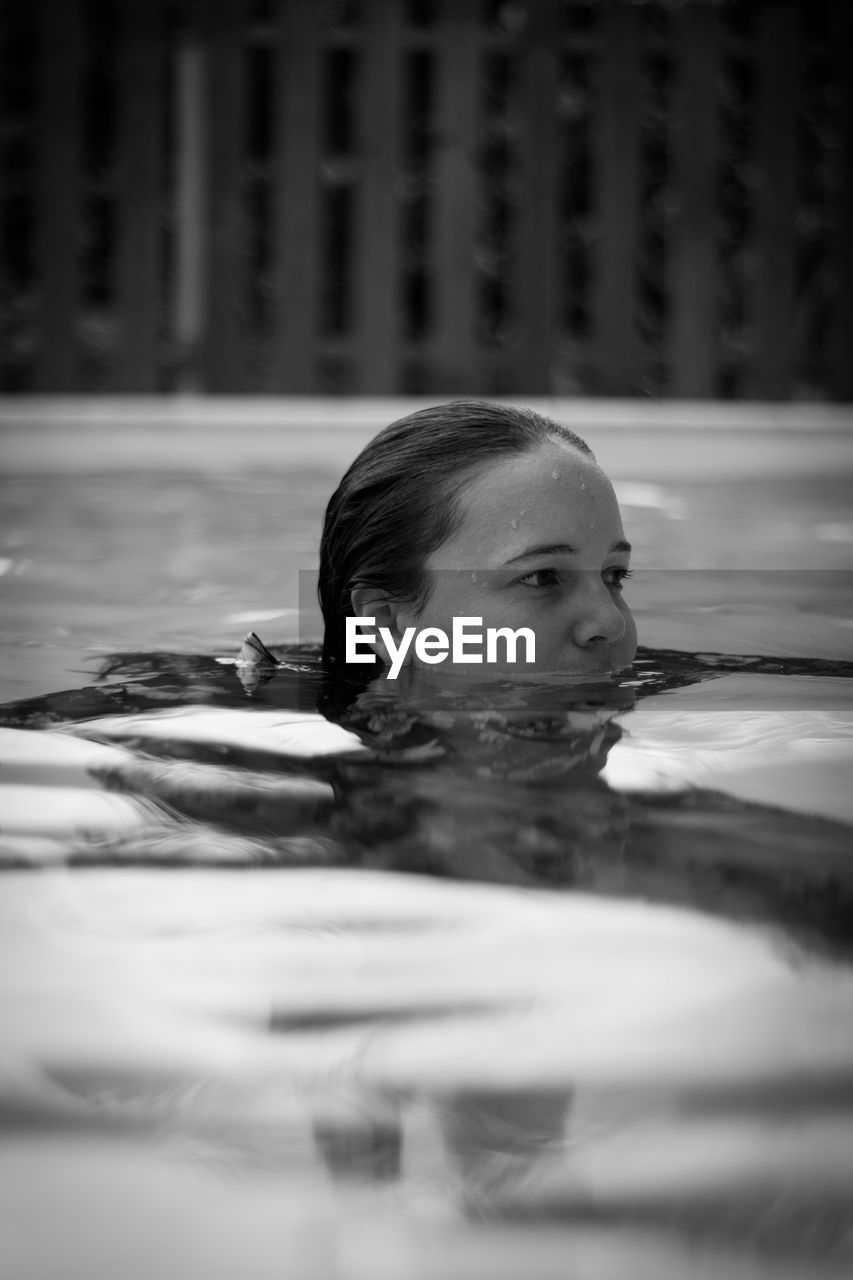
point(555, 475)
point(513, 524)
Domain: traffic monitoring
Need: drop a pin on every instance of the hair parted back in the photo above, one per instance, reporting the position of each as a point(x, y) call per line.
point(399, 500)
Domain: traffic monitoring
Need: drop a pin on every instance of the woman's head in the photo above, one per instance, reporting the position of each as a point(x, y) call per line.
point(436, 517)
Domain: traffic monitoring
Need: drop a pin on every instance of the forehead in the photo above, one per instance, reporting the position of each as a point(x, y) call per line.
point(550, 494)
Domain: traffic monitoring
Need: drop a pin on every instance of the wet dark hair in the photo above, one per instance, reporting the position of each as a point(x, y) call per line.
point(399, 501)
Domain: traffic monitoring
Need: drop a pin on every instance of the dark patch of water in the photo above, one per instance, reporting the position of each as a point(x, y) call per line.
point(503, 786)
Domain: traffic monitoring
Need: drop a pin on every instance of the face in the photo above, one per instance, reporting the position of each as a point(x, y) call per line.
point(540, 545)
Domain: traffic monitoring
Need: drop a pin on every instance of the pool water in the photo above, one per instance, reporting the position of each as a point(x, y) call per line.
point(545, 980)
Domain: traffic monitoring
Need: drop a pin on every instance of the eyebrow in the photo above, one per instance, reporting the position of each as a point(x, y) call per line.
point(563, 548)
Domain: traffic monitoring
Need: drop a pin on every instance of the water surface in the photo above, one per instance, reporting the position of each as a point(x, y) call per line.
point(554, 980)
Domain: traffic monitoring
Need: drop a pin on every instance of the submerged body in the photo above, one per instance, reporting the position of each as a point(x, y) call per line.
point(536, 781)
point(501, 977)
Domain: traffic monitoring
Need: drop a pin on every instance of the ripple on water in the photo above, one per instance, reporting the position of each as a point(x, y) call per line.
point(647, 1072)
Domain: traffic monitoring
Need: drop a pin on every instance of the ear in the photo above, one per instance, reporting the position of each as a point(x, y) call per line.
point(373, 602)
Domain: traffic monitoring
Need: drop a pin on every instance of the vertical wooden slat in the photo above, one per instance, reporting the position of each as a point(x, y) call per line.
point(223, 363)
point(617, 181)
point(377, 282)
point(774, 228)
point(296, 253)
point(455, 368)
point(140, 133)
point(841, 372)
point(187, 291)
point(5, 61)
point(691, 245)
point(537, 202)
point(58, 194)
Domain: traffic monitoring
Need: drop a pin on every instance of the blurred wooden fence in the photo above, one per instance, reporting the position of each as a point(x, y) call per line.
point(428, 196)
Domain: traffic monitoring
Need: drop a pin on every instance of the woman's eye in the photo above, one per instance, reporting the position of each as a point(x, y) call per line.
point(540, 578)
point(616, 576)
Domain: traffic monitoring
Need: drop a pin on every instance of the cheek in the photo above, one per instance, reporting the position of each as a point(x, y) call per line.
point(452, 595)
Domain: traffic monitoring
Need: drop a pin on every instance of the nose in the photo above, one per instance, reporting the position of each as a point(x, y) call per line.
point(597, 618)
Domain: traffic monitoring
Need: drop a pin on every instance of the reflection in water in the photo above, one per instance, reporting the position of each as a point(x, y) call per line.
point(363, 1142)
point(624, 1066)
point(501, 782)
point(500, 1141)
point(582, 1059)
point(492, 1142)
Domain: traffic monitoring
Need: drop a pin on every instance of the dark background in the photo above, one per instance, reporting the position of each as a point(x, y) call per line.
point(592, 197)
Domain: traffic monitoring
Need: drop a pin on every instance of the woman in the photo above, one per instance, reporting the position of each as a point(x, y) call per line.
point(476, 511)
